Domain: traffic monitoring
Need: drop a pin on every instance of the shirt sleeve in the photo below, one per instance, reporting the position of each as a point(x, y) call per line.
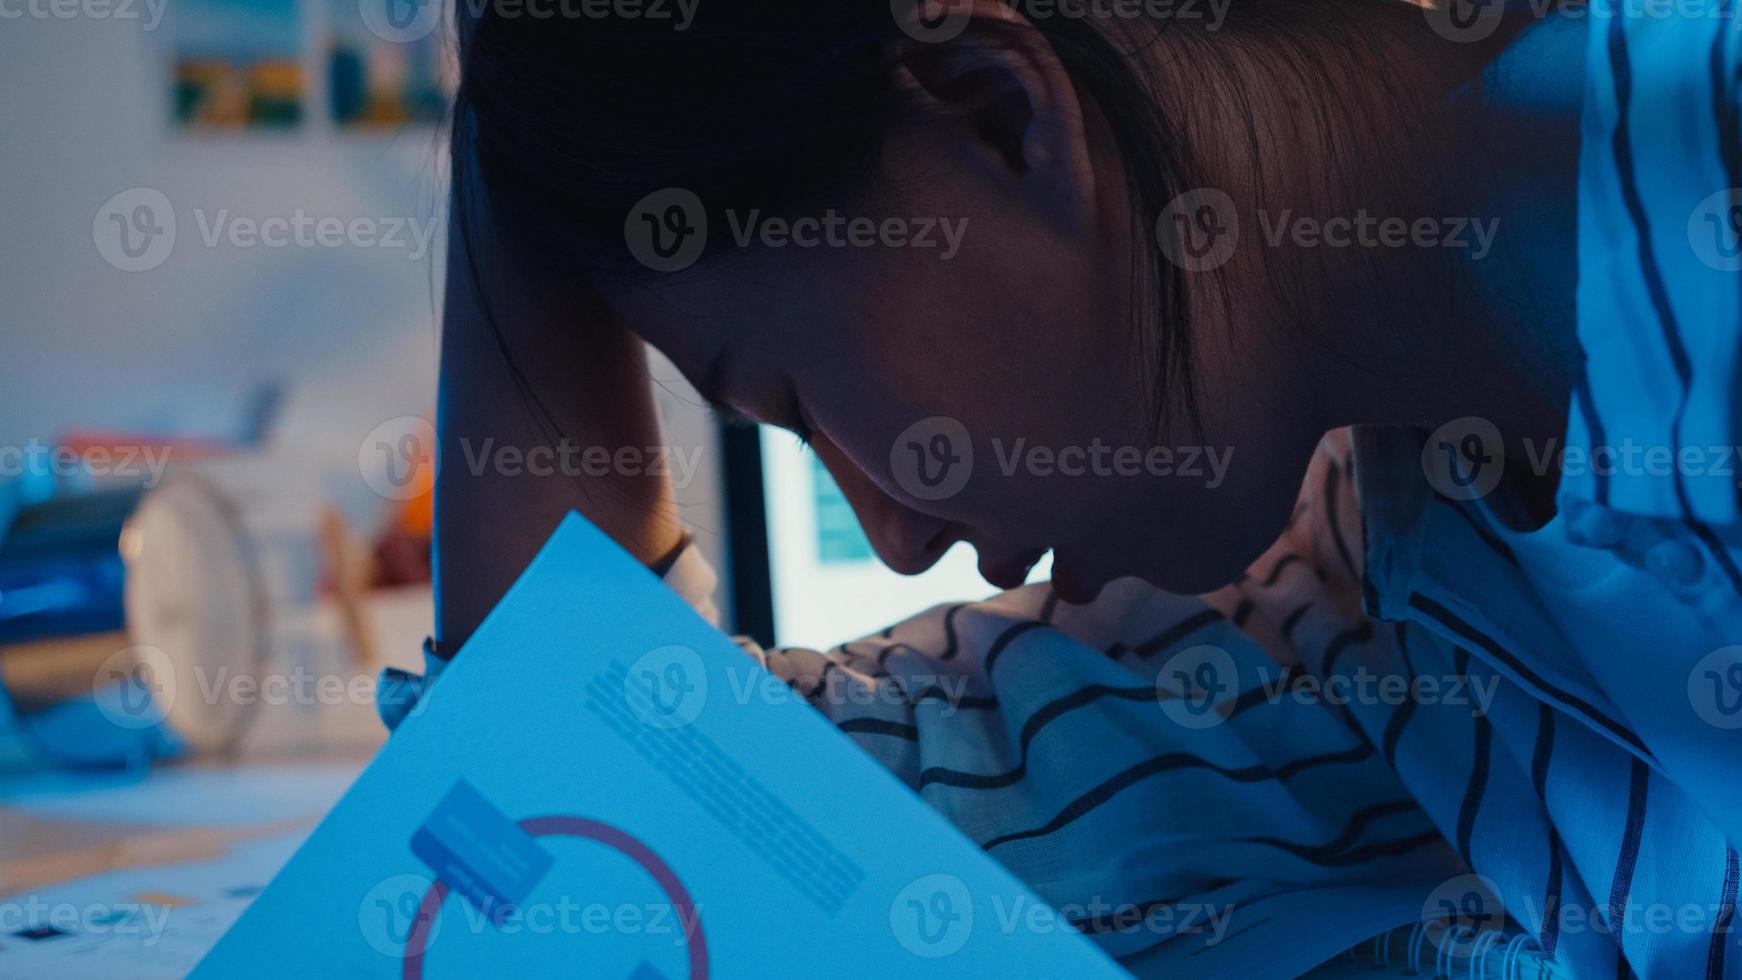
point(1654, 427)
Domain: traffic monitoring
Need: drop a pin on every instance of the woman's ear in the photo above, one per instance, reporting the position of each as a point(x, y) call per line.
point(996, 85)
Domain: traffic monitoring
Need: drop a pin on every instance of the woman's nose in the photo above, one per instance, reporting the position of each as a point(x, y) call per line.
point(906, 540)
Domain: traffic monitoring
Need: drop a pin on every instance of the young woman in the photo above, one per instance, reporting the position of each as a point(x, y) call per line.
point(1452, 296)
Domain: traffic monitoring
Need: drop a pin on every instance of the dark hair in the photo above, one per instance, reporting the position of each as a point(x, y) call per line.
point(562, 124)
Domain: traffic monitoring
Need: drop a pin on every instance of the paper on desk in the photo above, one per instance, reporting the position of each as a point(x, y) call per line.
point(143, 924)
point(182, 797)
point(603, 782)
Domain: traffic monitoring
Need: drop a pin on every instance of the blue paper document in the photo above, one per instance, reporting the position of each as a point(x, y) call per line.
point(602, 784)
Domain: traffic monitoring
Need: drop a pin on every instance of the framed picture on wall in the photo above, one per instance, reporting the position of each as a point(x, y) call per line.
point(238, 64)
point(388, 63)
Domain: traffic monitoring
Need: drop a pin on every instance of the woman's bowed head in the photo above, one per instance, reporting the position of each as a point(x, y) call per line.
point(836, 222)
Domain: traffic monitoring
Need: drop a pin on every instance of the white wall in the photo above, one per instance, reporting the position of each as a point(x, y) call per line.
point(84, 114)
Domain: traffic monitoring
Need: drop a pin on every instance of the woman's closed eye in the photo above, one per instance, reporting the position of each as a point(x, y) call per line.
point(791, 417)
point(797, 421)
point(774, 404)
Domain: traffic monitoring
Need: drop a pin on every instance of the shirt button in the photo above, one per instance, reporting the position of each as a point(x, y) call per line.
point(1598, 527)
point(1675, 562)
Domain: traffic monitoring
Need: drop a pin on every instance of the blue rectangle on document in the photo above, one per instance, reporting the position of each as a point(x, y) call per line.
point(479, 852)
